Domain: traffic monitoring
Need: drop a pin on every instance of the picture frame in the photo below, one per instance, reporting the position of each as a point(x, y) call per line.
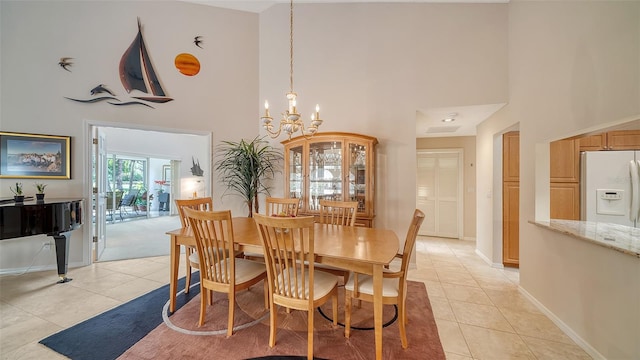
point(35, 156)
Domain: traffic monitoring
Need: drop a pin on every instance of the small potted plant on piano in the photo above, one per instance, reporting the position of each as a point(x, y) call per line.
point(18, 195)
point(40, 191)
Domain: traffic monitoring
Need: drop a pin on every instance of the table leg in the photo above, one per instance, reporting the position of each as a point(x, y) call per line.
point(173, 281)
point(377, 308)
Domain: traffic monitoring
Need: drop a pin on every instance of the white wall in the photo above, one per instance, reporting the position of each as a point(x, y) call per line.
point(35, 35)
point(371, 66)
point(572, 65)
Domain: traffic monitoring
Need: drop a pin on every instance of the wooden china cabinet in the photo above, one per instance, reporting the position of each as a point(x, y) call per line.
point(331, 165)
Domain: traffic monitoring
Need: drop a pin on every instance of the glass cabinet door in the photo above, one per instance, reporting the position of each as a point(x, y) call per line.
point(296, 183)
point(358, 174)
point(333, 166)
point(325, 173)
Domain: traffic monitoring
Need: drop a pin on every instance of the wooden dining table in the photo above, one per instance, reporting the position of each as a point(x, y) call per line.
point(358, 249)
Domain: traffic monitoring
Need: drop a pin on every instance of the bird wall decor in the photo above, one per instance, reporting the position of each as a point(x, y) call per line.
point(198, 40)
point(65, 63)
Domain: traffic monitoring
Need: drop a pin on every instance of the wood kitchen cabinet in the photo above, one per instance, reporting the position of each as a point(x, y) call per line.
point(511, 199)
point(565, 201)
point(565, 161)
point(564, 171)
point(612, 140)
point(335, 166)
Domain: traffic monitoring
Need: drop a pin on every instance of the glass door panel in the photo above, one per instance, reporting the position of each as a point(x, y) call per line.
point(358, 175)
point(325, 172)
point(296, 184)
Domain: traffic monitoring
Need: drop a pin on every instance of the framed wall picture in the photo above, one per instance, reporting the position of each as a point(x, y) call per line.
point(35, 156)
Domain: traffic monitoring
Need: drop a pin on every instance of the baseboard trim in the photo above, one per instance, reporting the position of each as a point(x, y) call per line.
point(564, 327)
point(488, 261)
point(51, 267)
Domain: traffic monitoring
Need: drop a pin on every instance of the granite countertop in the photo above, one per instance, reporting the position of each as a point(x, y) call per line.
point(618, 237)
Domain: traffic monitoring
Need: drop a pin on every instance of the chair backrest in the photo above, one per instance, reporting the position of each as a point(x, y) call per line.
point(130, 198)
point(282, 206)
point(410, 240)
point(213, 231)
point(338, 212)
point(204, 204)
point(288, 245)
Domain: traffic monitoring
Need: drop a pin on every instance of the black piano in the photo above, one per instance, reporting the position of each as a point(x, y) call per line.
point(52, 217)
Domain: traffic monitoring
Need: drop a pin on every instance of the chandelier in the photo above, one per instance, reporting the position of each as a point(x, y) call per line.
point(290, 122)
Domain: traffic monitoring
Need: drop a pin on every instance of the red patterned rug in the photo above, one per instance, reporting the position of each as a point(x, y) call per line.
point(180, 337)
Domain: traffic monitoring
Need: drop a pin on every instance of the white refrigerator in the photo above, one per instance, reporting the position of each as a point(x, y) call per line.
point(610, 187)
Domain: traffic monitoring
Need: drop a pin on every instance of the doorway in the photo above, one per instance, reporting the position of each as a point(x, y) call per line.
point(439, 181)
point(136, 176)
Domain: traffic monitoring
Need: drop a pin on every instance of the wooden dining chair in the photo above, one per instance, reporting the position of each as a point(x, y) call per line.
point(288, 243)
point(394, 283)
point(337, 213)
point(205, 204)
point(220, 270)
point(282, 206)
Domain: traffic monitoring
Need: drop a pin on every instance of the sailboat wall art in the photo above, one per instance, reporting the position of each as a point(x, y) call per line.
point(137, 75)
point(136, 71)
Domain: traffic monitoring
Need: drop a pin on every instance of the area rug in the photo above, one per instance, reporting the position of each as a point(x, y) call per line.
point(108, 335)
point(178, 336)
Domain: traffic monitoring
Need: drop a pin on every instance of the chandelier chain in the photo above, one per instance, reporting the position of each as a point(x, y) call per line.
point(291, 47)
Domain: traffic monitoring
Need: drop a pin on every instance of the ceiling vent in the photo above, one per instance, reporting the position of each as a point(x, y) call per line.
point(442, 129)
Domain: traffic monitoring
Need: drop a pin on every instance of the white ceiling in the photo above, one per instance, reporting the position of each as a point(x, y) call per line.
point(261, 5)
point(428, 121)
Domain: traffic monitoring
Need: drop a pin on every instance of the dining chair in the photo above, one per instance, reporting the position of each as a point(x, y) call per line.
point(394, 283)
point(220, 270)
point(282, 206)
point(288, 243)
point(206, 204)
point(337, 213)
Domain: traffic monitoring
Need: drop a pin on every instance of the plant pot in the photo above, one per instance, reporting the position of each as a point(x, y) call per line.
point(18, 198)
point(40, 197)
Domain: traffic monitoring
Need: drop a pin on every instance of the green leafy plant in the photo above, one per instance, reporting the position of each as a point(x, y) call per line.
point(40, 187)
point(17, 190)
point(244, 167)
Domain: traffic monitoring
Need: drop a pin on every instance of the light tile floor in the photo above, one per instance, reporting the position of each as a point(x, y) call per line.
point(478, 309)
point(479, 312)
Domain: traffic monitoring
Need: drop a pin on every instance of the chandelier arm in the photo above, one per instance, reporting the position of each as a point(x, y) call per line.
point(274, 134)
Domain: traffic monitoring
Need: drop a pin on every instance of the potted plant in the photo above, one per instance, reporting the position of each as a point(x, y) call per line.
point(245, 166)
point(40, 191)
point(143, 201)
point(18, 195)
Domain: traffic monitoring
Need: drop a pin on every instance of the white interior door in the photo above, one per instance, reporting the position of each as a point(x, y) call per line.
point(175, 184)
point(100, 195)
point(439, 192)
